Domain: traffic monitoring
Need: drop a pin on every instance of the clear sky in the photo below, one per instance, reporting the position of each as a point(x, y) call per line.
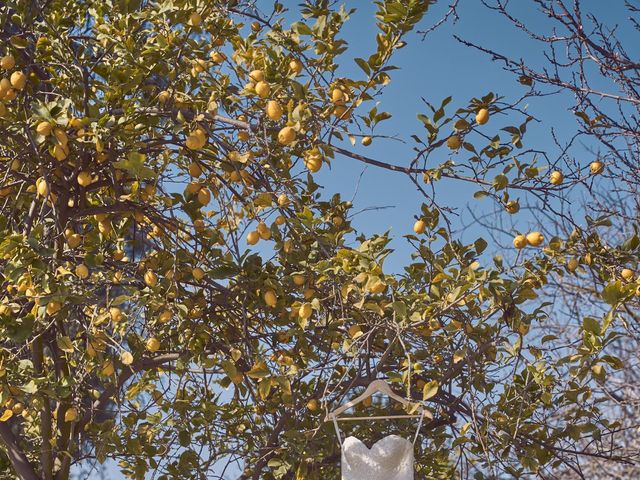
point(434, 69)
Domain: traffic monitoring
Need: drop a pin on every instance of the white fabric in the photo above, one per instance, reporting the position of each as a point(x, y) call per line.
point(390, 458)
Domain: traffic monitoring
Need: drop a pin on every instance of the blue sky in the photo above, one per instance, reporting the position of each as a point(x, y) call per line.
point(436, 68)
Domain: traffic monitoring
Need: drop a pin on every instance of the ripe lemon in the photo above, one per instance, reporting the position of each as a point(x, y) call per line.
point(366, 141)
point(482, 116)
point(256, 75)
point(18, 80)
point(337, 96)
point(153, 344)
point(454, 142)
point(253, 237)
point(84, 179)
point(263, 231)
point(313, 160)
point(295, 66)
point(42, 187)
point(164, 316)
point(204, 196)
point(596, 167)
point(8, 62)
point(60, 151)
point(116, 314)
point(195, 170)
point(82, 271)
point(535, 239)
point(299, 279)
point(280, 220)
point(520, 241)
point(44, 128)
point(419, 227)
point(270, 298)
point(313, 405)
point(263, 89)
point(150, 278)
point(274, 110)
point(556, 177)
point(627, 274)
point(287, 135)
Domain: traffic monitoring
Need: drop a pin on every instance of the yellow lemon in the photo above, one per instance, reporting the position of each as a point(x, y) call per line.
point(482, 116)
point(366, 141)
point(253, 237)
point(287, 135)
point(84, 179)
point(82, 271)
point(263, 89)
point(18, 80)
point(419, 227)
point(520, 241)
point(7, 62)
point(596, 168)
point(295, 66)
point(256, 75)
point(44, 128)
point(627, 274)
point(535, 239)
point(274, 110)
point(556, 177)
point(153, 344)
point(150, 278)
point(270, 298)
point(116, 314)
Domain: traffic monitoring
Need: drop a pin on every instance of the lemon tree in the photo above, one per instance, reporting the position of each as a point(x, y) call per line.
point(179, 297)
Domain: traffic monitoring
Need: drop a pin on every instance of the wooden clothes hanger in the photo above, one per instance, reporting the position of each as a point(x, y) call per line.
point(376, 386)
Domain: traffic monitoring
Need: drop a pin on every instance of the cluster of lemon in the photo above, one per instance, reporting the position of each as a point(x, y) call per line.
point(10, 86)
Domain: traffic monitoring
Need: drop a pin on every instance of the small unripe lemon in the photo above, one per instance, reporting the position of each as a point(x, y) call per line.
point(366, 141)
point(43, 128)
point(482, 116)
point(419, 227)
point(274, 110)
point(263, 89)
point(596, 167)
point(82, 271)
point(287, 135)
point(556, 177)
point(520, 241)
point(535, 239)
point(295, 66)
point(8, 62)
point(454, 142)
point(512, 207)
point(150, 278)
point(197, 273)
point(253, 237)
point(84, 179)
point(270, 298)
point(18, 80)
point(153, 344)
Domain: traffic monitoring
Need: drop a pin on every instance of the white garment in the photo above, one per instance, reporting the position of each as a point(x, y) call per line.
point(388, 459)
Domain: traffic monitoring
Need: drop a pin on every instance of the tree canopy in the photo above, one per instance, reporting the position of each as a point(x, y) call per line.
point(179, 295)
